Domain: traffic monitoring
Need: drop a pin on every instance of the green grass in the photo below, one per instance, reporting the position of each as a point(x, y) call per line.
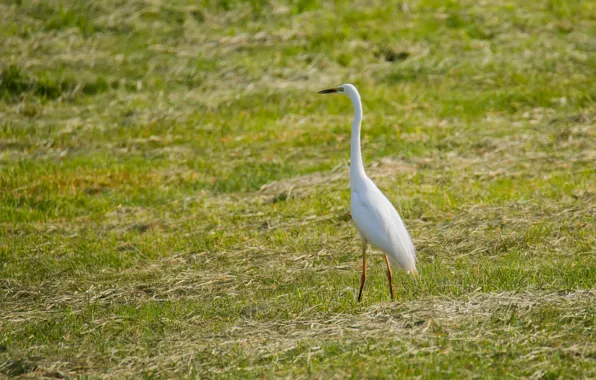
point(174, 193)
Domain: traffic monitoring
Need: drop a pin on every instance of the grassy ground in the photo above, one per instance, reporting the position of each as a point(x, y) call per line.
point(174, 196)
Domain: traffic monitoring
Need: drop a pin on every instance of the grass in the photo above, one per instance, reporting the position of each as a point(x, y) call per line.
point(174, 195)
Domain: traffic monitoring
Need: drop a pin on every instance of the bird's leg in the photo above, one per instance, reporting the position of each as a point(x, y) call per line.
point(389, 277)
point(363, 278)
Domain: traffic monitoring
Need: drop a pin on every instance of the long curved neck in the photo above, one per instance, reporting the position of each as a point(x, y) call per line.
point(356, 165)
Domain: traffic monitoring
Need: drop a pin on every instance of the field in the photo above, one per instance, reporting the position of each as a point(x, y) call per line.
point(174, 194)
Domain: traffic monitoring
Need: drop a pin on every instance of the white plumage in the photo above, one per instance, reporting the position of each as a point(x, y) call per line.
point(375, 217)
point(379, 223)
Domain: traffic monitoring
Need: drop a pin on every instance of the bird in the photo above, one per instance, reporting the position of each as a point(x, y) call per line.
point(376, 219)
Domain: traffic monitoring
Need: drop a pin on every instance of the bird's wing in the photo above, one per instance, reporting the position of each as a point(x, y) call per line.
point(376, 219)
point(369, 222)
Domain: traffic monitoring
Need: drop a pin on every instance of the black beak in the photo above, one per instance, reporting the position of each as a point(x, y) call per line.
point(328, 91)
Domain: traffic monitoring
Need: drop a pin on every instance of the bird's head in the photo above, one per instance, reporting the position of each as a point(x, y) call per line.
point(346, 89)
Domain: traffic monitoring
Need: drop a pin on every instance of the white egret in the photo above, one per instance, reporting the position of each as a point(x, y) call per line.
point(375, 217)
